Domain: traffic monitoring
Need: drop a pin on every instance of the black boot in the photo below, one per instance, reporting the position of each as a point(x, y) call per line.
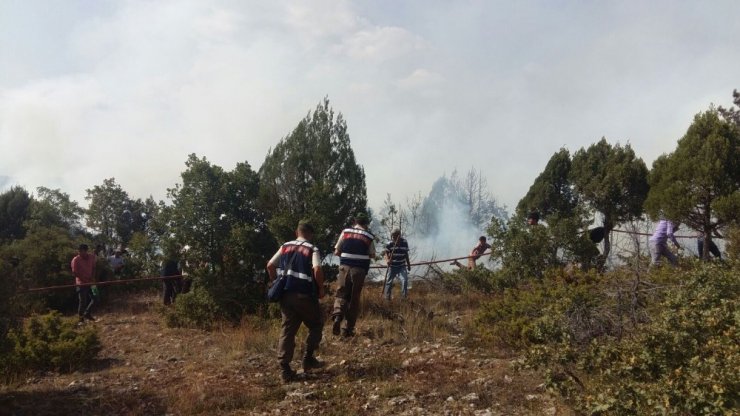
point(310, 362)
point(287, 374)
point(335, 328)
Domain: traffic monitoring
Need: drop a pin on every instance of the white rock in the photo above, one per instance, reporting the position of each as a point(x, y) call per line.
point(414, 350)
point(450, 399)
point(507, 379)
point(472, 397)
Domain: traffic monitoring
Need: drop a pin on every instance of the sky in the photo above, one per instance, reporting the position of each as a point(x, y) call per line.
point(127, 89)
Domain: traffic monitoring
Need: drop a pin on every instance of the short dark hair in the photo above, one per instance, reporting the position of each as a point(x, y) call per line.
point(534, 215)
point(362, 219)
point(482, 238)
point(395, 233)
point(83, 247)
point(305, 227)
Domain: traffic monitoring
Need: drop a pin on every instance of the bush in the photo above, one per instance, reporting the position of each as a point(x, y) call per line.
point(548, 311)
point(195, 309)
point(48, 342)
point(680, 361)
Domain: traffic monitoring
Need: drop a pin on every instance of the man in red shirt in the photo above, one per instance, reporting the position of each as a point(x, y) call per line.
point(83, 268)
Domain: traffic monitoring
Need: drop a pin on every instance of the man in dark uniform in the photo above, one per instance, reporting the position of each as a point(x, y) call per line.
point(355, 248)
point(300, 262)
point(172, 282)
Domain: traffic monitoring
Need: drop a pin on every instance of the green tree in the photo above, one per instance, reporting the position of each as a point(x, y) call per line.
point(14, 210)
point(554, 197)
point(612, 181)
point(732, 114)
point(699, 183)
point(552, 194)
point(312, 174)
point(211, 204)
point(54, 208)
point(109, 212)
point(214, 212)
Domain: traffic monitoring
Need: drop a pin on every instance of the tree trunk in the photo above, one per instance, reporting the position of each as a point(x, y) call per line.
point(608, 226)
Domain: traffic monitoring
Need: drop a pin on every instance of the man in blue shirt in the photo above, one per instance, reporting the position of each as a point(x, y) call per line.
point(355, 248)
point(397, 258)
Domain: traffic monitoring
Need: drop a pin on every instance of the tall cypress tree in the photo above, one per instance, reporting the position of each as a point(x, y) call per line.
point(312, 174)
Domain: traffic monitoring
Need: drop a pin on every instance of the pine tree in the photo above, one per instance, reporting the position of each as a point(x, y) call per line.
point(699, 183)
point(312, 174)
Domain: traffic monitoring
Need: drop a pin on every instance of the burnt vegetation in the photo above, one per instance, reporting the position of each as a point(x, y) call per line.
point(555, 323)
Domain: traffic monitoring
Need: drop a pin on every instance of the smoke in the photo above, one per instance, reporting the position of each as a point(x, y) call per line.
point(455, 235)
point(445, 224)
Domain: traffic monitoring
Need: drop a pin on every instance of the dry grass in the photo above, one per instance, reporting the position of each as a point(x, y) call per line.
point(415, 354)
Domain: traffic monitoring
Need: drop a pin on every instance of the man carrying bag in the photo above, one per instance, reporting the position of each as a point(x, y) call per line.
point(298, 262)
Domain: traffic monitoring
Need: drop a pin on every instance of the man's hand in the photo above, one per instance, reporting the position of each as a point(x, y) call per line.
point(322, 292)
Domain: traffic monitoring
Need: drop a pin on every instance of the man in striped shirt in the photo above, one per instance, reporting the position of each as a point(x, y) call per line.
point(397, 258)
point(355, 249)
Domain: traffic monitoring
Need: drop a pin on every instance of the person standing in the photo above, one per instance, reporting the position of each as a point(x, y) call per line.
point(116, 263)
point(83, 269)
point(399, 264)
point(659, 242)
point(300, 262)
point(354, 248)
point(172, 278)
point(713, 249)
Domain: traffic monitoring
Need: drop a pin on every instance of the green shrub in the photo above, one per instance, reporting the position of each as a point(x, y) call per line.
point(49, 342)
point(195, 309)
point(683, 360)
point(548, 311)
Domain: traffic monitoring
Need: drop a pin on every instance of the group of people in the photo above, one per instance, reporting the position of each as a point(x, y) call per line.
point(91, 268)
point(299, 262)
point(663, 233)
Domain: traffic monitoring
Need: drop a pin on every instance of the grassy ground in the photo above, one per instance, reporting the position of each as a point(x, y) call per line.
point(414, 357)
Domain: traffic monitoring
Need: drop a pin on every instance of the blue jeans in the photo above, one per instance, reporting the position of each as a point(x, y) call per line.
point(404, 276)
point(660, 249)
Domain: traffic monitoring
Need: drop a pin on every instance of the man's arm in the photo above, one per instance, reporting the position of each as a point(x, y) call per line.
point(318, 275)
point(272, 265)
point(271, 271)
point(94, 265)
point(338, 245)
point(670, 231)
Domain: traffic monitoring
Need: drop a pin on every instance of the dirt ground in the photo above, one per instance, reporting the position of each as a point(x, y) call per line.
point(398, 363)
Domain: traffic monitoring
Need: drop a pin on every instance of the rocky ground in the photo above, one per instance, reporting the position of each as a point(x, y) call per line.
point(407, 359)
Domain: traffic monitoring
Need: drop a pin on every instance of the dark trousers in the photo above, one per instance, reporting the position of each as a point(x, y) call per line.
point(297, 309)
point(349, 292)
point(86, 300)
point(712, 249)
point(171, 287)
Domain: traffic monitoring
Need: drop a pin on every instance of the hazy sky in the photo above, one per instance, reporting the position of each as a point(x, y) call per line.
point(127, 89)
